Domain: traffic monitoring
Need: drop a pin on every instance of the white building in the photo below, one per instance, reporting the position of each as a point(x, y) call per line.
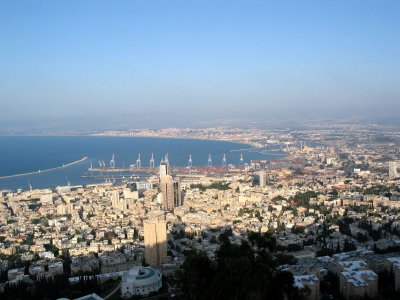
point(393, 170)
point(309, 281)
point(358, 283)
point(56, 268)
point(140, 281)
point(392, 264)
point(15, 273)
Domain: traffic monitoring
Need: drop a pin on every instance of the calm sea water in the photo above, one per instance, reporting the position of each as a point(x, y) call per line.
point(29, 154)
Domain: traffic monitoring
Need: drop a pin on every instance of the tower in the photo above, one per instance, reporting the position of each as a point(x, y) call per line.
point(209, 161)
point(224, 161)
point(155, 242)
point(112, 162)
point(241, 159)
point(171, 191)
point(190, 161)
point(152, 161)
point(393, 170)
point(115, 199)
point(138, 162)
point(164, 168)
point(262, 176)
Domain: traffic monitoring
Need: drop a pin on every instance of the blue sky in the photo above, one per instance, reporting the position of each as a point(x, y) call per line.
point(175, 63)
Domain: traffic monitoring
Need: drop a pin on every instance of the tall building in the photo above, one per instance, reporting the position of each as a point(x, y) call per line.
point(155, 242)
point(393, 169)
point(164, 169)
point(171, 192)
point(170, 189)
point(262, 176)
point(115, 199)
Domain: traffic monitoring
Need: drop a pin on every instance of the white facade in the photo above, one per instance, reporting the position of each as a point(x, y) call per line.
point(358, 283)
point(392, 264)
point(393, 169)
point(140, 281)
point(310, 281)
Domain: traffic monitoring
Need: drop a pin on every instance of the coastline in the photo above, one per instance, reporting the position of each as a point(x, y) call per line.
point(46, 170)
point(253, 146)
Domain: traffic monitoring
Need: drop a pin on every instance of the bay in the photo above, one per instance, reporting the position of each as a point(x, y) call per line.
point(22, 154)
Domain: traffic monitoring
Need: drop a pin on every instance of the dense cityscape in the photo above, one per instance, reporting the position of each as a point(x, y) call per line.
point(324, 219)
point(199, 150)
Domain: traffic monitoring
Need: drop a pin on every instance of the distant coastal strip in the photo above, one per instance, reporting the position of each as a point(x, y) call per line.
point(46, 170)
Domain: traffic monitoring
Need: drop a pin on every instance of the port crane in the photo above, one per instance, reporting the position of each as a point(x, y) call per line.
point(224, 161)
point(209, 161)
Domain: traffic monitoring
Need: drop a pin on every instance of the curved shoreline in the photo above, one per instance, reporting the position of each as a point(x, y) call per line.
point(174, 137)
point(46, 170)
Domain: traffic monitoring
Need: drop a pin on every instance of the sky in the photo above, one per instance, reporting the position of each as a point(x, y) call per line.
point(129, 64)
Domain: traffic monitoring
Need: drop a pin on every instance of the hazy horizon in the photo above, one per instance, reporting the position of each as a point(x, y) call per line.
point(129, 64)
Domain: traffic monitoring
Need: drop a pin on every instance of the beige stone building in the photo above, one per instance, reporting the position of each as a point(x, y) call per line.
point(155, 242)
point(171, 192)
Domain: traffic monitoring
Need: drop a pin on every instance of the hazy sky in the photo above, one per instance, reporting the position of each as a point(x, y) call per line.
point(132, 63)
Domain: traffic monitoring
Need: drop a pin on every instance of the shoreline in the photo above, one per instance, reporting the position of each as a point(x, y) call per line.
point(46, 170)
point(139, 136)
point(253, 146)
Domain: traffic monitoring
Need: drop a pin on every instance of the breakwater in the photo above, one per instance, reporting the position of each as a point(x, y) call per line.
point(46, 170)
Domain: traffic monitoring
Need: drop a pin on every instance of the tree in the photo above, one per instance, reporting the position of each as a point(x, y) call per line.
point(237, 273)
point(349, 246)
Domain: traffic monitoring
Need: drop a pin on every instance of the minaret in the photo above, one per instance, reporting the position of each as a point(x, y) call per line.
point(190, 161)
point(138, 162)
point(241, 158)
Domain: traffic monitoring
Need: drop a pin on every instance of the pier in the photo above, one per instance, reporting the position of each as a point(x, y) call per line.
point(46, 170)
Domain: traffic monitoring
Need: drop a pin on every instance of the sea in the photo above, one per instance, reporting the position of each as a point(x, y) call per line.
point(24, 154)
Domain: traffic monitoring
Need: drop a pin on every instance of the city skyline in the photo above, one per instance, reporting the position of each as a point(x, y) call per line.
point(200, 149)
point(105, 65)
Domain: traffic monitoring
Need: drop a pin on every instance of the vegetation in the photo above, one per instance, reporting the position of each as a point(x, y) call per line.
point(51, 289)
point(237, 273)
point(303, 199)
point(215, 185)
